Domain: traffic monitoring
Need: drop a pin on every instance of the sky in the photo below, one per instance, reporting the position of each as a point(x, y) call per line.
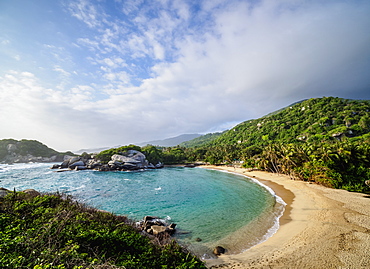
point(94, 73)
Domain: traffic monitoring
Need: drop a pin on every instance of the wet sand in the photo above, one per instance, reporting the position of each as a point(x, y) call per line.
point(320, 228)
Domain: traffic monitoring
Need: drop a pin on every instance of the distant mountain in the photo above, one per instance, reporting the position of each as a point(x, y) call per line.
point(93, 150)
point(201, 140)
point(170, 142)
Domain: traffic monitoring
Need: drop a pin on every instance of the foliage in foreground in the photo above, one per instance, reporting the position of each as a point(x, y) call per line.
point(54, 231)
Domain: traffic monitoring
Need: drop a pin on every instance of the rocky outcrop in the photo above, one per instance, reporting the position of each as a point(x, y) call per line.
point(156, 226)
point(126, 161)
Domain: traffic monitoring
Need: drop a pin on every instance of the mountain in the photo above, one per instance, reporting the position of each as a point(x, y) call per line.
point(171, 142)
point(94, 150)
point(201, 140)
point(14, 151)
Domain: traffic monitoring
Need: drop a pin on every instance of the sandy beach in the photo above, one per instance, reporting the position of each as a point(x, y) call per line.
point(320, 228)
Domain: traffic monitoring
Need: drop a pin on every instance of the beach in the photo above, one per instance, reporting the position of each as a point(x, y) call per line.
point(320, 228)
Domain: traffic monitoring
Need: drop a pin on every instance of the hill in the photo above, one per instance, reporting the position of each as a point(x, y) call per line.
point(323, 140)
point(14, 151)
point(311, 120)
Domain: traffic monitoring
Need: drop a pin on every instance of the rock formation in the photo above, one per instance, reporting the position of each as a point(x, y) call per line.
point(126, 161)
point(156, 226)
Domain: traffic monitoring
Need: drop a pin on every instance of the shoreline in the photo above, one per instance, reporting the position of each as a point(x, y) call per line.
point(320, 228)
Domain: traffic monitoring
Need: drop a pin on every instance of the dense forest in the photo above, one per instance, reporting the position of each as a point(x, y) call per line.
point(323, 140)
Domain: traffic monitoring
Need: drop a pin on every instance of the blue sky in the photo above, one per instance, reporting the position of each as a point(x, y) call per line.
point(89, 73)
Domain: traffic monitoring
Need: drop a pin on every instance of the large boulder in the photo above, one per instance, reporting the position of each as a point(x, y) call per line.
point(76, 164)
point(32, 192)
point(130, 160)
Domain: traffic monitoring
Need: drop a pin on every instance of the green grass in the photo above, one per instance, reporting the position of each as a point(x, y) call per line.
point(55, 231)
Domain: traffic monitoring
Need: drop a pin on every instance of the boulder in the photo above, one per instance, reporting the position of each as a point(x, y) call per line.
point(157, 229)
point(80, 167)
point(74, 160)
point(75, 164)
point(159, 165)
point(11, 148)
point(91, 163)
point(32, 192)
point(4, 192)
point(219, 250)
point(64, 164)
point(55, 166)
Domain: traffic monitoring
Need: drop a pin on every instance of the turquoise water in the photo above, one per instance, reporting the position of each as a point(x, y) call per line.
point(216, 207)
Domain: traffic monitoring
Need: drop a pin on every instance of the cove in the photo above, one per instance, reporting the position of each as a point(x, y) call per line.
point(209, 207)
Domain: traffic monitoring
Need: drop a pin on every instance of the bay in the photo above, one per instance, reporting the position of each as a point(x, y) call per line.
point(209, 207)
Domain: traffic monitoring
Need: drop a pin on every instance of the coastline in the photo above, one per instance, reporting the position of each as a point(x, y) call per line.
point(320, 228)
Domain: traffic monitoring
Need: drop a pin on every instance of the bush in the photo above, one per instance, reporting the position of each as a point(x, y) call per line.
point(54, 231)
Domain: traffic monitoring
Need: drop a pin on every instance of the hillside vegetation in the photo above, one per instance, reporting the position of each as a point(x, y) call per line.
point(12, 150)
point(325, 140)
point(54, 231)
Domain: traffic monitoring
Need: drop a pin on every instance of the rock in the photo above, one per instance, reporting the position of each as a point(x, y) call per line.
point(151, 166)
point(74, 160)
point(91, 163)
point(198, 239)
point(4, 192)
point(32, 192)
point(159, 165)
point(80, 167)
point(219, 250)
point(147, 218)
point(157, 229)
point(75, 164)
point(11, 148)
point(64, 164)
point(55, 166)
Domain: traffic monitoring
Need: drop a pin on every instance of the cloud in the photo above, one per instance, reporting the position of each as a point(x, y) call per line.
point(169, 67)
point(86, 12)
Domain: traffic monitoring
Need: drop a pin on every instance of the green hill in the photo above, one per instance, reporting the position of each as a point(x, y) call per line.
point(311, 120)
point(12, 150)
point(324, 140)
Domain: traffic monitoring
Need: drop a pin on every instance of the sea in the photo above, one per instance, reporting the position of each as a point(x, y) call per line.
point(210, 207)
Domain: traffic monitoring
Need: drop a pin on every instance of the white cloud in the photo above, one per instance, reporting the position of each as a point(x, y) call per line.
point(178, 71)
point(86, 12)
